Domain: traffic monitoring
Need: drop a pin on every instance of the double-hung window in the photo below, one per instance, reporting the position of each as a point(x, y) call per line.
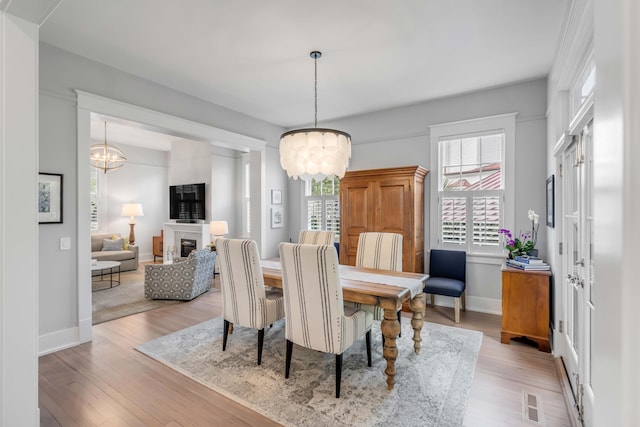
point(473, 188)
point(322, 201)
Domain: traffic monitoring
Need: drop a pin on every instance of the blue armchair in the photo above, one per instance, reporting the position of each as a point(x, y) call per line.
point(447, 276)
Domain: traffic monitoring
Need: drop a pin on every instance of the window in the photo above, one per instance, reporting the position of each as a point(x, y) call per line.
point(322, 200)
point(472, 190)
point(246, 195)
point(96, 194)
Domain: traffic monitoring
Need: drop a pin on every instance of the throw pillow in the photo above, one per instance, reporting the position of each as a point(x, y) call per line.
point(125, 243)
point(112, 245)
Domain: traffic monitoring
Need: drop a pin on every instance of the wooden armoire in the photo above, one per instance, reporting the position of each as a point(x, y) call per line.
point(384, 200)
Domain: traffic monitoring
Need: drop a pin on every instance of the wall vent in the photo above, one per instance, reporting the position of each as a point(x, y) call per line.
point(532, 408)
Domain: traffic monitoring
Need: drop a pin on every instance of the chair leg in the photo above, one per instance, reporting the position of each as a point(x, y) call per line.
point(464, 300)
point(368, 340)
point(456, 308)
point(226, 333)
point(400, 321)
point(260, 341)
point(288, 358)
point(433, 299)
point(338, 374)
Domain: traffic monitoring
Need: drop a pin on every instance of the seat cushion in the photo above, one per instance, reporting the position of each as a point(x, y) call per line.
point(444, 286)
point(113, 255)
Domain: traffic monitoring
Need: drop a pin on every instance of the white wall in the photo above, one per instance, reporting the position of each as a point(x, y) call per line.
point(399, 137)
point(226, 190)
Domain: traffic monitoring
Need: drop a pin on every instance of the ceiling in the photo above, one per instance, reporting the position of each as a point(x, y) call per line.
point(253, 56)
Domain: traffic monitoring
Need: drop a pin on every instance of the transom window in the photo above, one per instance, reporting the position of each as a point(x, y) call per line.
point(322, 201)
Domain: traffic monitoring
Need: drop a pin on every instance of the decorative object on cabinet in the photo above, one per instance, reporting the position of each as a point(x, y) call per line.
point(525, 306)
point(157, 246)
point(315, 152)
point(551, 201)
point(132, 210)
point(384, 200)
point(49, 198)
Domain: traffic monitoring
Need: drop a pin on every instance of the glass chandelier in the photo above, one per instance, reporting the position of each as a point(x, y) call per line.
point(106, 157)
point(315, 152)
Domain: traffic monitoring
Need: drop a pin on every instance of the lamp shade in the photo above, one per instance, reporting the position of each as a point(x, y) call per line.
point(315, 153)
point(132, 209)
point(218, 228)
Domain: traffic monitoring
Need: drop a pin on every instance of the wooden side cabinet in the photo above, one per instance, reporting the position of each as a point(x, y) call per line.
point(158, 245)
point(525, 306)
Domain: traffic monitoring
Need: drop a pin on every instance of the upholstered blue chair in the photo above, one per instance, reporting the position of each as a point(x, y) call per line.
point(316, 237)
point(245, 300)
point(447, 276)
point(316, 317)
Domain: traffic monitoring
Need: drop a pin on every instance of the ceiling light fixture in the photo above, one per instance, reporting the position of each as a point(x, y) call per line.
point(316, 152)
point(106, 157)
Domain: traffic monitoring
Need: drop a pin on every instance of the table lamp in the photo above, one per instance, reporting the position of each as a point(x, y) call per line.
point(133, 210)
point(218, 229)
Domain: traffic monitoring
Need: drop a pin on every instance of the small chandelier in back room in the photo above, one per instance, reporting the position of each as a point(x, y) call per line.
point(106, 157)
point(316, 152)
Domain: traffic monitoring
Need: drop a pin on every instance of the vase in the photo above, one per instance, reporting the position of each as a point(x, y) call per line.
point(533, 253)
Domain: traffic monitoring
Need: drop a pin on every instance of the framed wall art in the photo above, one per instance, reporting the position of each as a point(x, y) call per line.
point(276, 197)
point(49, 198)
point(551, 202)
point(276, 217)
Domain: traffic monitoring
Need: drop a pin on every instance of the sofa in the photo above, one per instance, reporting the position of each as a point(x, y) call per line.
point(181, 280)
point(113, 250)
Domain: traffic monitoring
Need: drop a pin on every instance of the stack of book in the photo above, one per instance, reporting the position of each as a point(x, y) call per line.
point(528, 263)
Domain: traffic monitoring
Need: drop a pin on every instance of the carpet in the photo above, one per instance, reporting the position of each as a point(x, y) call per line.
point(123, 300)
point(431, 388)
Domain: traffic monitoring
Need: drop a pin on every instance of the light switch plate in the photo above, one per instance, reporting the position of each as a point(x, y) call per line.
point(65, 243)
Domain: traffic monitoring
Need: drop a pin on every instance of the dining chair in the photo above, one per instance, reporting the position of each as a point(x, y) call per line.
point(316, 317)
point(447, 276)
point(245, 300)
point(316, 237)
point(382, 251)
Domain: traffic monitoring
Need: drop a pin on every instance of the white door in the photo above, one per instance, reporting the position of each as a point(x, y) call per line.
point(578, 283)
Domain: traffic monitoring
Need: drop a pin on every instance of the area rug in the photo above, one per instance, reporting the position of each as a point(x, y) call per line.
point(431, 387)
point(123, 300)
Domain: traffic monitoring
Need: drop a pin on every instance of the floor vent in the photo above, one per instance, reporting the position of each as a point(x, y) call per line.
point(532, 408)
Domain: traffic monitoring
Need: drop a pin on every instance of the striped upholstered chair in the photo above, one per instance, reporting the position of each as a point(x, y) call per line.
point(382, 251)
point(316, 317)
point(245, 301)
point(315, 237)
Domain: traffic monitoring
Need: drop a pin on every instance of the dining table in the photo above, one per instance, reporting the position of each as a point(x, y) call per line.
point(387, 289)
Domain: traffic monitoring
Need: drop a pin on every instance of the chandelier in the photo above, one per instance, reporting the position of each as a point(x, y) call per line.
point(315, 152)
point(106, 157)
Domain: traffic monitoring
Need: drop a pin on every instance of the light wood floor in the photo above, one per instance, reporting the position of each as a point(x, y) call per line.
point(108, 383)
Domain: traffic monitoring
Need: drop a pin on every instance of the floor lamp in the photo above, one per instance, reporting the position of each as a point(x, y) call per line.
point(133, 210)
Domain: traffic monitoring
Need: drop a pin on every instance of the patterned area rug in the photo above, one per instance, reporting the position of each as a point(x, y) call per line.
point(125, 299)
point(431, 387)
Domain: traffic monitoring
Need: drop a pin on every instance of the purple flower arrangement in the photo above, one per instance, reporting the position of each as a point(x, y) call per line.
point(524, 243)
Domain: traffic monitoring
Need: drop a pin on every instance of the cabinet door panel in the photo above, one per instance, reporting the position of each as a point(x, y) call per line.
point(355, 218)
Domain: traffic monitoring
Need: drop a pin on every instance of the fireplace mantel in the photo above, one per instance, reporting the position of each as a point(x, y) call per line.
point(174, 231)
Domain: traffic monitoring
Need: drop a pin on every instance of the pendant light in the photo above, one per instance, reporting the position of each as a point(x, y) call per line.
point(106, 157)
point(315, 152)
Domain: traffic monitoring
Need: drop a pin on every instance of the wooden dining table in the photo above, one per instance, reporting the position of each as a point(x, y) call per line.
point(369, 286)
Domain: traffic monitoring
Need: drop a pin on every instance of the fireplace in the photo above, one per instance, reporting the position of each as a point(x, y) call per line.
point(186, 246)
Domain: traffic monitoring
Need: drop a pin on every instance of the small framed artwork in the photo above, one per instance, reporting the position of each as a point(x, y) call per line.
point(49, 198)
point(551, 202)
point(276, 217)
point(276, 197)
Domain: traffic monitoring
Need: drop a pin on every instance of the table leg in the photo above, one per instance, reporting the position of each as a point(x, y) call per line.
point(390, 329)
point(418, 304)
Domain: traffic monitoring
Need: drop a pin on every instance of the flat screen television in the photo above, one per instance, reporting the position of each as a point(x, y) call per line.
point(186, 202)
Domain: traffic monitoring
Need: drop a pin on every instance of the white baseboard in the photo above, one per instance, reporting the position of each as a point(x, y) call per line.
point(479, 304)
point(58, 340)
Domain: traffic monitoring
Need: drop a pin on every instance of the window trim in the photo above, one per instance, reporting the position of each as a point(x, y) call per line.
point(453, 130)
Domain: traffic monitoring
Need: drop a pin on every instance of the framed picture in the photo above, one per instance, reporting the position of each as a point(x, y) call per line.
point(276, 217)
point(551, 202)
point(276, 197)
point(49, 198)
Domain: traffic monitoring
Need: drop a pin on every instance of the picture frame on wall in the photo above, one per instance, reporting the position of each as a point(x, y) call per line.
point(277, 219)
point(551, 203)
point(276, 197)
point(49, 198)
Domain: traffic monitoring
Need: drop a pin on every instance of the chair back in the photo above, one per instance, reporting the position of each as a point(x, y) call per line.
point(241, 282)
point(313, 304)
point(316, 237)
point(382, 251)
point(448, 264)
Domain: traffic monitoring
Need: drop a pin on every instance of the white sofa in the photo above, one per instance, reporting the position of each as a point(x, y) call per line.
point(128, 257)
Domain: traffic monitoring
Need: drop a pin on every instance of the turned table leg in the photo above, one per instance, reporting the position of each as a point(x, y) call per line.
point(390, 329)
point(418, 304)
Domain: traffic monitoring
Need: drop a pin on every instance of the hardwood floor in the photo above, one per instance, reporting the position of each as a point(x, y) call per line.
point(108, 383)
